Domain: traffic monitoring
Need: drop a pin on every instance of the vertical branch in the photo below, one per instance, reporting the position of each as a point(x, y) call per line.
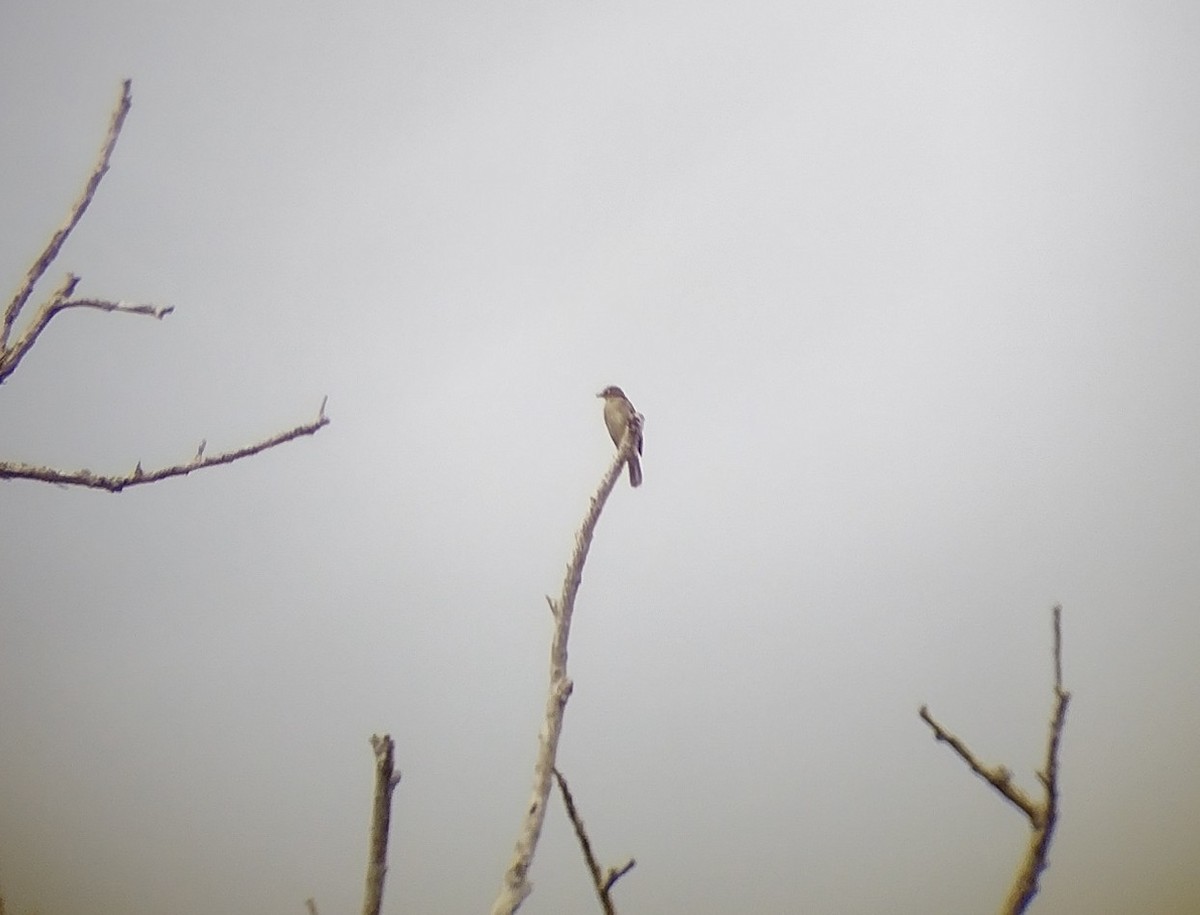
point(1037, 856)
point(515, 887)
point(386, 779)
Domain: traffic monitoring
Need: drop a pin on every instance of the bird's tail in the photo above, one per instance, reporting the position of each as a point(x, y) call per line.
point(635, 471)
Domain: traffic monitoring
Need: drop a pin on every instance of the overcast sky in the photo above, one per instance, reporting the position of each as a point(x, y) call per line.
point(909, 295)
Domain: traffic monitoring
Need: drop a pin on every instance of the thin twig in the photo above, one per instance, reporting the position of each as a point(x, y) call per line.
point(999, 777)
point(14, 470)
point(516, 887)
point(1043, 814)
point(46, 258)
point(585, 844)
point(311, 905)
point(602, 883)
point(153, 311)
point(616, 873)
point(1037, 856)
point(386, 780)
point(11, 357)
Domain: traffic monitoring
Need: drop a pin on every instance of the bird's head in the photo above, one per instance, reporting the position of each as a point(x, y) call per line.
point(612, 391)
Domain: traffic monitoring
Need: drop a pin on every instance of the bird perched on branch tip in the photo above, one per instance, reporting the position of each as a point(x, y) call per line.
point(618, 413)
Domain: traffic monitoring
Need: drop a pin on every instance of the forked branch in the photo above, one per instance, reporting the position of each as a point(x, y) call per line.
point(50, 252)
point(602, 882)
point(1042, 814)
point(12, 351)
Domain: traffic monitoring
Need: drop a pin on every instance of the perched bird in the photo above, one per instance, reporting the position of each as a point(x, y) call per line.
point(618, 412)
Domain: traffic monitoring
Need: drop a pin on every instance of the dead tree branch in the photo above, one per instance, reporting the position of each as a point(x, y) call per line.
point(386, 780)
point(14, 470)
point(516, 886)
point(1042, 814)
point(11, 356)
point(13, 351)
point(50, 252)
point(603, 883)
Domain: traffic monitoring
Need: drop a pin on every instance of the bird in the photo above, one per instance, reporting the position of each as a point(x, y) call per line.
point(618, 412)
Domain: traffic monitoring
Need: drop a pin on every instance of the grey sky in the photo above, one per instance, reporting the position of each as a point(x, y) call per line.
point(910, 297)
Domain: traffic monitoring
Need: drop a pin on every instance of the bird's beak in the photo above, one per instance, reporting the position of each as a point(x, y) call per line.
point(601, 394)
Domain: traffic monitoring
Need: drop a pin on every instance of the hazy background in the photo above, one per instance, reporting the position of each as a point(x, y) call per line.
point(910, 297)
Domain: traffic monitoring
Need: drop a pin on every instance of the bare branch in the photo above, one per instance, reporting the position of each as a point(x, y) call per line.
point(1037, 859)
point(581, 833)
point(12, 354)
point(616, 873)
point(386, 780)
point(46, 258)
point(1043, 814)
point(603, 884)
point(11, 357)
point(1057, 618)
point(153, 311)
point(311, 905)
point(516, 888)
point(13, 470)
point(997, 776)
